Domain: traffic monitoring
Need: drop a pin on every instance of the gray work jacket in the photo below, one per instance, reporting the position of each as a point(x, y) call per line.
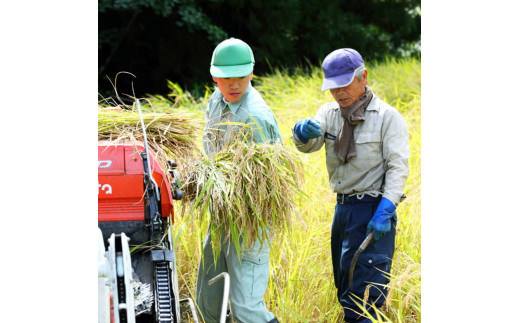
point(381, 164)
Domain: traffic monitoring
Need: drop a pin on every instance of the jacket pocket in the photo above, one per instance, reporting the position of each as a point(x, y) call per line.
point(372, 269)
point(366, 137)
point(255, 269)
point(368, 149)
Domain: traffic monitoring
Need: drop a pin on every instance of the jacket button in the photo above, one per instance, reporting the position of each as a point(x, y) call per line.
point(370, 261)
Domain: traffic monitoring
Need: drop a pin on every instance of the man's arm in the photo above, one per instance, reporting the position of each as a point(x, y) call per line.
point(395, 153)
point(265, 127)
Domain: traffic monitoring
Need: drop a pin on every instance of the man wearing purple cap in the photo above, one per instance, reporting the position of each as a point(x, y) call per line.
point(366, 143)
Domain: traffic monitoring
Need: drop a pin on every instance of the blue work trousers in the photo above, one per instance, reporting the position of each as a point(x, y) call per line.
point(349, 229)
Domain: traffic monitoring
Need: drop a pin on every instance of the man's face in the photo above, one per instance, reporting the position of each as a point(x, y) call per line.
point(347, 95)
point(233, 88)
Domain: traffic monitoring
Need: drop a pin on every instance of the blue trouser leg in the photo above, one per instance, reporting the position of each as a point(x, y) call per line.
point(347, 233)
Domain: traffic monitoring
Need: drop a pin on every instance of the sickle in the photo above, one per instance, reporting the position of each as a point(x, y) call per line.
point(361, 248)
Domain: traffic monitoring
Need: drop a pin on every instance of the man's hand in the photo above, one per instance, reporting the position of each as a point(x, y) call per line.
point(307, 129)
point(380, 222)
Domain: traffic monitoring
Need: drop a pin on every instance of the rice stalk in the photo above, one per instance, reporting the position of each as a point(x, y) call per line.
point(170, 135)
point(246, 192)
point(301, 260)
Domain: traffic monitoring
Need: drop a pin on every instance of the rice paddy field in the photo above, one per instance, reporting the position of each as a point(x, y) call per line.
point(301, 286)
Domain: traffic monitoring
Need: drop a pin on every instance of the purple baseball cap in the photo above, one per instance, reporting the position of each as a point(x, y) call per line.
point(339, 67)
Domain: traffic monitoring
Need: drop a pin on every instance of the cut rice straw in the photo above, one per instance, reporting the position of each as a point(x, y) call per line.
point(170, 135)
point(246, 192)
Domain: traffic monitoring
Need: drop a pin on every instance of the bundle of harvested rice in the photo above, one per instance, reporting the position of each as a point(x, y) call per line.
point(247, 192)
point(170, 135)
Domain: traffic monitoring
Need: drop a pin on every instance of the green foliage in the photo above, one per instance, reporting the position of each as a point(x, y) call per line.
point(177, 98)
point(173, 39)
point(160, 7)
point(195, 19)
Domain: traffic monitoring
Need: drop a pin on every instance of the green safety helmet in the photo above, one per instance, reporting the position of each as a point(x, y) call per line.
point(232, 58)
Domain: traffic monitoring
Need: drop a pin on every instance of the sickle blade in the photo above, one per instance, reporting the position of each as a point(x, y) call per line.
point(360, 250)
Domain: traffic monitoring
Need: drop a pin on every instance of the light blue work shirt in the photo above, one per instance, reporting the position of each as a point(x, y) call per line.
point(248, 275)
point(250, 110)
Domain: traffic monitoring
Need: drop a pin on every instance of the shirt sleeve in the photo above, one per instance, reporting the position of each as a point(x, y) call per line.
point(265, 127)
point(395, 154)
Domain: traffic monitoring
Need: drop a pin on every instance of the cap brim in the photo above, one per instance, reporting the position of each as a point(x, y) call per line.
point(231, 71)
point(337, 81)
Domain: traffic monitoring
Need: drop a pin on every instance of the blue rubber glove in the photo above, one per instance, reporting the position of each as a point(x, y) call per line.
point(380, 222)
point(307, 129)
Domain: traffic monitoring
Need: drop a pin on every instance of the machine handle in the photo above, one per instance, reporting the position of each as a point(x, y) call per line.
point(225, 296)
point(192, 307)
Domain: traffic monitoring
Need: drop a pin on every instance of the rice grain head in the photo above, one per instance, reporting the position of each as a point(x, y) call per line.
point(246, 192)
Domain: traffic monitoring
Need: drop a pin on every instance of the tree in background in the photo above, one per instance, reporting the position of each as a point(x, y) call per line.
point(159, 40)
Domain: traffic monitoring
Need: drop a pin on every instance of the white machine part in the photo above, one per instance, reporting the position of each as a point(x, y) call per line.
point(103, 289)
point(121, 278)
point(115, 279)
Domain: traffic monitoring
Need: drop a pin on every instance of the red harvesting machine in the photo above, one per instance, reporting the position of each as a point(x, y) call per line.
point(137, 273)
point(136, 209)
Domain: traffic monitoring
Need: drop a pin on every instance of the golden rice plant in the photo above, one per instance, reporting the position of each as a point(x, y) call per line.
point(301, 259)
point(170, 135)
point(246, 192)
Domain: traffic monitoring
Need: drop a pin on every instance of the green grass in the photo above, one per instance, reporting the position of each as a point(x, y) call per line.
point(301, 286)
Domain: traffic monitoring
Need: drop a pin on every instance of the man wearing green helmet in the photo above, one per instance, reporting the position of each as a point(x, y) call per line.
point(235, 101)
